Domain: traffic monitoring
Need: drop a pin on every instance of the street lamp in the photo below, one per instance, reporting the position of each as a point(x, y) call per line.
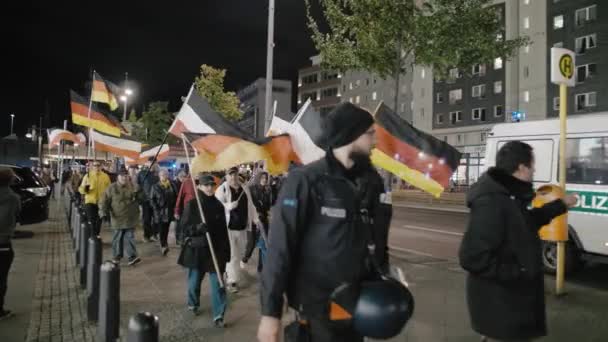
point(125, 98)
point(12, 120)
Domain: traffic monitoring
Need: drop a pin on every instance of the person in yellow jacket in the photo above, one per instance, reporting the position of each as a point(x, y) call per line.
point(93, 185)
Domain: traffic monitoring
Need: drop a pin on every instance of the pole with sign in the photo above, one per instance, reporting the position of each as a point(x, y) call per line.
point(563, 68)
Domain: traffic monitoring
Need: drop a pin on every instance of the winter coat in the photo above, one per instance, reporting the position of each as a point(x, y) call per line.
point(10, 206)
point(224, 194)
point(146, 181)
point(98, 182)
point(186, 193)
point(200, 257)
point(121, 202)
point(162, 200)
point(501, 251)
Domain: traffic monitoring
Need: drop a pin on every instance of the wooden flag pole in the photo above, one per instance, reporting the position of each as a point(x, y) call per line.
point(200, 210)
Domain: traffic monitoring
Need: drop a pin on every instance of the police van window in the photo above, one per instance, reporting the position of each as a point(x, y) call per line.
point(587, 161)
point(543, 151)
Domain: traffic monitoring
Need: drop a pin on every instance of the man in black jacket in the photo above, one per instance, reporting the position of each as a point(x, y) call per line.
point(501, 249)
point(318, 239)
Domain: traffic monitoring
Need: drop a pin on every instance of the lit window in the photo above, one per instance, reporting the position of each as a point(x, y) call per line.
point(558, 22)
point(374, 96)
point(498, 63)
point(527, 22)
point(350, 86)
point(455, 96)
point(526, 2)
point(526, 96)
point(357, 99)
point(422, 73)
point(350, 100)
point(527, 49)
point(497, 87)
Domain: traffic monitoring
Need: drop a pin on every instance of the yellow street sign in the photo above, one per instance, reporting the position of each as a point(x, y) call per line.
point(566, 66)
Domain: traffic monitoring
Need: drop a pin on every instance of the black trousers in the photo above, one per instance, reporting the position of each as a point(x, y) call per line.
point(147, 213)
point(6, 260)
point(322, 330)
point(163, 229)
point(92, 212)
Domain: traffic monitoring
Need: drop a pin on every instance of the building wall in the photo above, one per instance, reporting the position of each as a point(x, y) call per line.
point(599, 55)
point(422, 106)
point(256, 119)
point(321, 86)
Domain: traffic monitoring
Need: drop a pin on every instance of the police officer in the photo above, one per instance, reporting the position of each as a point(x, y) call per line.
point(318, 239)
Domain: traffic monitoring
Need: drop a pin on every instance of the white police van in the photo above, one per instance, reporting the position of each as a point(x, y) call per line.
point(586, 175)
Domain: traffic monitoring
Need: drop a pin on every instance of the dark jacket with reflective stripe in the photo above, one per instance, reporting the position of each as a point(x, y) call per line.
point(317, 239)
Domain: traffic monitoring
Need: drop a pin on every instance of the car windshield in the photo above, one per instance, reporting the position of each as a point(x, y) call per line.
point(26, 178)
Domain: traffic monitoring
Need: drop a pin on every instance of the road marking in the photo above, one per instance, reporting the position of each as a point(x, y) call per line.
point(412, 251)
point(439, 231)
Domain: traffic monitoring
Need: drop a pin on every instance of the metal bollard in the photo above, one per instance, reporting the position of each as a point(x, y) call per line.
point(143, 327)
point(109, 302)
point(93, 265)
point(85, 233)
point(77, 231)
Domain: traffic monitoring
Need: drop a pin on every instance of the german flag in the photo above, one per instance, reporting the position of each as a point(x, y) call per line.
point(222, 145)
point(418, 158)
point(99, 121)
point(103, 91)
point(122, 146)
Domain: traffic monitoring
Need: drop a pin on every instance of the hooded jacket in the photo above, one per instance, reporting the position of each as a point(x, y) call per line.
point(98, 182)
point(501, 251)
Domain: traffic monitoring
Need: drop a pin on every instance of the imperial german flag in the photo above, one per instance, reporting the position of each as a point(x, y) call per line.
point(98, 121)
point(103, 91)
point(418, 158)
point(122, 146)
point(222, 145)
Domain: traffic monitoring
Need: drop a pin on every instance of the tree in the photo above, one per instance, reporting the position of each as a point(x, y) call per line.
point(387, 36)
point(156, 120)
point(210, 85)
point(133, 116)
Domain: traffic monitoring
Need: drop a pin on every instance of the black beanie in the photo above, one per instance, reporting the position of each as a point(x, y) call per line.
point(344, 124)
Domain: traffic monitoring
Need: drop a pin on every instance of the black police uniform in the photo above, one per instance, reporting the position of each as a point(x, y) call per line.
point(318, 242)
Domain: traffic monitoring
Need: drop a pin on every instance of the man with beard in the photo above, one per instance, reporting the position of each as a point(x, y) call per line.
point(320, 228)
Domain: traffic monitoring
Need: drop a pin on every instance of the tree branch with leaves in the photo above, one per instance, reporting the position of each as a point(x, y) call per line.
point(210, 85)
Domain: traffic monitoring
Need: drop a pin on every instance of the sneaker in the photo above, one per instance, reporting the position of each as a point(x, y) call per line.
point(116, 260)
point(232, 288)
point(146, 240)
point(243, 264)
point(134, 261)
point(4, 314)
point(153, 238)
point(219, 323)
point(194, 310)
point(164, 250)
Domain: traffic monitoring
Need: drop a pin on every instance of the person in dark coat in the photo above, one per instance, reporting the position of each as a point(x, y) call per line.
point(146, 179)
point(162, 200)
point(262, 197)
point(195, 254)
point(501, 249)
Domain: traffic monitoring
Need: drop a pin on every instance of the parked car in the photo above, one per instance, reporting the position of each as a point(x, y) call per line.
point(34, 195)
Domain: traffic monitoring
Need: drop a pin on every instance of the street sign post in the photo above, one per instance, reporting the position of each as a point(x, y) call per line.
point(563, 67)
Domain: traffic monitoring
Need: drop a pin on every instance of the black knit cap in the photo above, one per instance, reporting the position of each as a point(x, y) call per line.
point(205, 179)
point(344, 124)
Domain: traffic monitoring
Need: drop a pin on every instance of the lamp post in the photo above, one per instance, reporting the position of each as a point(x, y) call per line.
point(12, 121)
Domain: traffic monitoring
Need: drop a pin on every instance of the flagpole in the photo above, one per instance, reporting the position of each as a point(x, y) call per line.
point(200, 210)
point(156, 155)
point(89, 145)
point(269, 63)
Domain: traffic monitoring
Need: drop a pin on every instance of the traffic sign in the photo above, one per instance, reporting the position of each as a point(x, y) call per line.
point(563, 67)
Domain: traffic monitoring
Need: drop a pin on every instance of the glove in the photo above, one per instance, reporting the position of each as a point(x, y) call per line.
point(201, 229)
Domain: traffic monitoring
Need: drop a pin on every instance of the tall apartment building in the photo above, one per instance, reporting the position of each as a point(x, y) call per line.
point(255, 118)
point(321, 86)
point(368, 90)
point(580, 26)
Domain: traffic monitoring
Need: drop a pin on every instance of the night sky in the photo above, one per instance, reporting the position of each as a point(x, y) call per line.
point(49, 47)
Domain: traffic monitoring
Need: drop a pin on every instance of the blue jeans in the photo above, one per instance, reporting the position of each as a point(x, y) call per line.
point(126, 237)
point(218, 295)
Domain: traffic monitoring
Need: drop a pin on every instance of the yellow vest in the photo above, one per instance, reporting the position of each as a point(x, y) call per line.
point(98, 182)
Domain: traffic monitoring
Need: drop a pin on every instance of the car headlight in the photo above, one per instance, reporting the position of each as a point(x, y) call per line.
point(38, 192)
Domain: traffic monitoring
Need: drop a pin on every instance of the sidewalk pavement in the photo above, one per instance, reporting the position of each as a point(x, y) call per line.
point(49, 305)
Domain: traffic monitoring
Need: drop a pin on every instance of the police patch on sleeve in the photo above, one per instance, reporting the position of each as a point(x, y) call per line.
point(386, 198)
point(290, 202)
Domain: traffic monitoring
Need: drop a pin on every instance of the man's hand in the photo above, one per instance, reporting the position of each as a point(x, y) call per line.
point(570, 200)
point(269, 329)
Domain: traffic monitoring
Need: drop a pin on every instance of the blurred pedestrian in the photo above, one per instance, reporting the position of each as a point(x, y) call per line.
point(196, 252)
point(10, 206)
point(163, 196)
point(93, 185)
point(146, 178)
point(120, 203)
point(501, 249)
point(186, 193)
point(262, 197)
